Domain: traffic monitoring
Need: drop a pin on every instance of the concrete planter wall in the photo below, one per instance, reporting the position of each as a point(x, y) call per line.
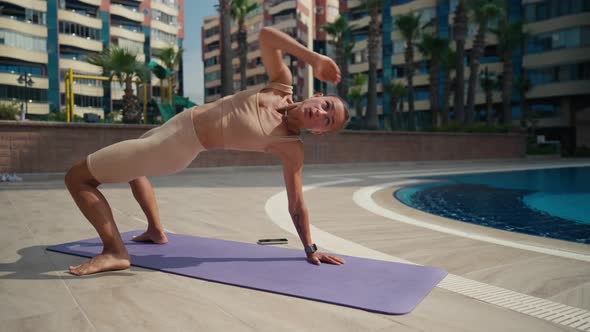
point(28, 147)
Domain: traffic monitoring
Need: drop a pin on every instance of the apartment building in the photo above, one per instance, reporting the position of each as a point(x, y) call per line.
point(557, 62)
point(43, 39)
point(555, 57)
point(301, 19)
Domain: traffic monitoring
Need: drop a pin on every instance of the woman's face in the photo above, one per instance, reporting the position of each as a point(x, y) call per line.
point(321, 114)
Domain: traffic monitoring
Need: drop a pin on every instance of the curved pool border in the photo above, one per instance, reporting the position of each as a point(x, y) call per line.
point(364, 198)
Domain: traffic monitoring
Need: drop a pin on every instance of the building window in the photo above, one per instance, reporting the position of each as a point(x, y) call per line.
point(568, 38)
point(78, 30)
point(560, 73)
point(13, 92)
point(548, 9)
point(211, 32)
point(211, 61)
point(20, 40)
point(163, 36)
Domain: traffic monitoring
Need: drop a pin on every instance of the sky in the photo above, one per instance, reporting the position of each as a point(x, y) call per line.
point(194, 11)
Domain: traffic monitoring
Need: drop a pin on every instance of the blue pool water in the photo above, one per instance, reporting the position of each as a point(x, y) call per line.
point(551, 203)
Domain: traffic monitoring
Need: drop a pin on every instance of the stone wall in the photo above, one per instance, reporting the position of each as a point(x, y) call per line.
point(28, 147)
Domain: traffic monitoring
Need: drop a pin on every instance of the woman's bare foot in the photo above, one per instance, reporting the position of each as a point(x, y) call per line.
point(151, 236)
point(101, 263)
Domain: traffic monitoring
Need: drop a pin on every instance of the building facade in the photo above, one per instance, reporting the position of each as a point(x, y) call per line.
point(301, 19)
point(555, 57)
point(44, 39)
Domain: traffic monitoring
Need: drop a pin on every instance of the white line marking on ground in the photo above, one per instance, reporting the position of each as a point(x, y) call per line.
point(474, 171)
point(136, 218)
point(467, 168)
point(276, 208)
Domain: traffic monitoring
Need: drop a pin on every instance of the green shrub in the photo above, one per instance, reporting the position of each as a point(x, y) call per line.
point(582, 151)
point(62, 117)
point(9, 111)
point(476, 128)
point(543, 149)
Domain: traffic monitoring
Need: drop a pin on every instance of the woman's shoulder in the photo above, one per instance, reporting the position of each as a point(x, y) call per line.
point(276, 86)
point(288, 150)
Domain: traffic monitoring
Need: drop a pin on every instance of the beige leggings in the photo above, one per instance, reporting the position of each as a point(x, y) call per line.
point(163, 150)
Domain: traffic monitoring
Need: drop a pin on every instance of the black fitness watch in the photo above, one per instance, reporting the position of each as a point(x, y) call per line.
point(311, 249)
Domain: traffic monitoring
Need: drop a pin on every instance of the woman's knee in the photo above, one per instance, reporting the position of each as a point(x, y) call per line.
point(79, 174)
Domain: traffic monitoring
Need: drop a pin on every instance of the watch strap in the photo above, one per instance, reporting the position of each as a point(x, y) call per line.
point(311, 249)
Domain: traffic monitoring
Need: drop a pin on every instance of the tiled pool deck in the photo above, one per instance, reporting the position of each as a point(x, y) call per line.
point(497, 281)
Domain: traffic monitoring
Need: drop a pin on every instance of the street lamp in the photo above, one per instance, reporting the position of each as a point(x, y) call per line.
point(28, 82)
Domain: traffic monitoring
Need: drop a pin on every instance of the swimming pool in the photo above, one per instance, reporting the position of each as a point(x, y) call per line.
point(552, 203)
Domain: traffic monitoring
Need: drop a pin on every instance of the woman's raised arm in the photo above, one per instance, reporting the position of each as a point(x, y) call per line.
point(272, 44)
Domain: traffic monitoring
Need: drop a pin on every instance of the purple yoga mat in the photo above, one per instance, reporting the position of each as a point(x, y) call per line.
point(373, 285)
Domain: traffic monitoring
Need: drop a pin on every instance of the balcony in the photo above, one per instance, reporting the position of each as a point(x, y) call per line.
point(31, 4)
point(552, 57)
point(557, 89)
point(127, 34)
point(281, 6)
point(22, 54)
point(558, 23)
point(164, 8)
point(355, 3)
point(123, 11)
point(80, 66)
point(160, 44)
point(84, 89)
point(88, 21)
point(95, 3)
point(171, 29)
point(24, 27)
point(12, 79)
point(87, 44)
point(286, 24)
point(361, 23)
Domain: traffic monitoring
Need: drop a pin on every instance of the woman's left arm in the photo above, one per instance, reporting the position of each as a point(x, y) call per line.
point(272, 45)
point(292, 170)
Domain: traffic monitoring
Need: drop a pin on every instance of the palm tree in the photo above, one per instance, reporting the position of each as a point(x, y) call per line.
point(409, 27)
point(356, 95)
point(396, 93)
point(510, 37)
point(339, 29)
point(483, 11)
point(227, 71)
point(239, 10)
point(143, 80)
point(459, 35)
point(121, 64)
point(489, 83)
point(171, 57)
point(433, 48)
point(374, 9)
point(448, 63)
point(523, 86)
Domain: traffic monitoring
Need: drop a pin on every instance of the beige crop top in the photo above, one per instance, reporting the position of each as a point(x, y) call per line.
point(237, 122)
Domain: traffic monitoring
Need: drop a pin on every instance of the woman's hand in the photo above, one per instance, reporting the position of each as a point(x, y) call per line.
point(325, 69)
point(318, 257)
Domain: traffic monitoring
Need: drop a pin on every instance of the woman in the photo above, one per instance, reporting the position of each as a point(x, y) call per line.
point(263, 119)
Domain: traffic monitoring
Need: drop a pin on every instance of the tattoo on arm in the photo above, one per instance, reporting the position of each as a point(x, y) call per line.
point(296, 222)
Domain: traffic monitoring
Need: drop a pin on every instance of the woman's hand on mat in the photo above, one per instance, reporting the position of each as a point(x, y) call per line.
point(325, 69)
point(318, 257)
